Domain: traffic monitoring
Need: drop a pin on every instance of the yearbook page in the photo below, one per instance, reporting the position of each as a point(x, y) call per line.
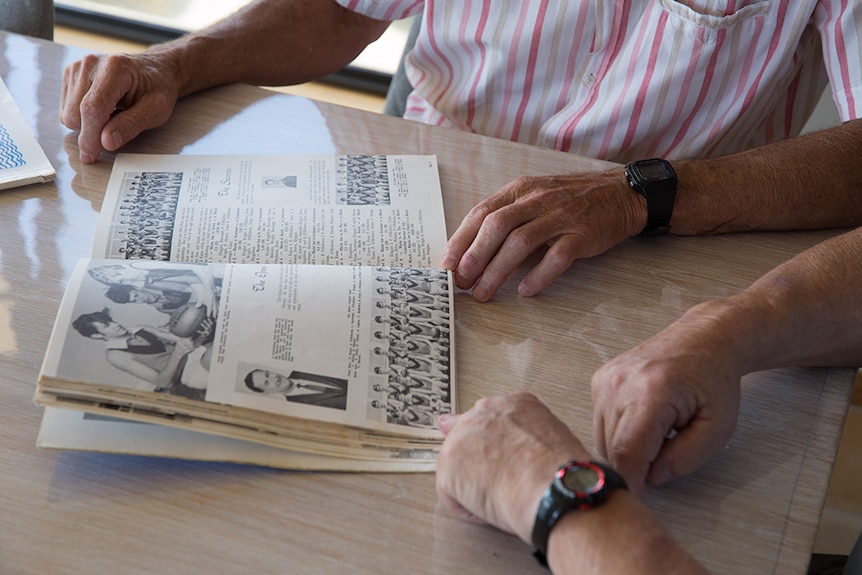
point(304, 209)
point(258, 351)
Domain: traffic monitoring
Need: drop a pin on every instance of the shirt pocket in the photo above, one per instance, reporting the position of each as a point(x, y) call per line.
point(715, 15)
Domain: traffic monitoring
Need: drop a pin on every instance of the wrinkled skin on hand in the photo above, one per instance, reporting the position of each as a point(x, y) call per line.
point(576, 216)
point(111, 99)
point(685, 379)
point(498, 458)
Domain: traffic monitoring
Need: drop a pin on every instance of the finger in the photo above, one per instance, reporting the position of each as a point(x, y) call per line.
point(598, 389)
point(64, 91)
point(478, 245)
point(599, 433)
point(96, 110)
point(148, 112)
point(507, 244)
point(577, 243)
point(692, 446)
point(636, 438)
point(469, 228)
point(76, 84)
point(449, 478)
point(462, 238)
point(559, 258)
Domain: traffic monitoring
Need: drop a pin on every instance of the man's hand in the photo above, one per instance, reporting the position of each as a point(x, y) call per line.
point(664, 407)
point(112, 99)
point(499, 457)
point(576, 216)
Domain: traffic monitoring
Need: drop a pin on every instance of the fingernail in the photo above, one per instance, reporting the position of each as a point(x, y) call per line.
point(480, 293)
point(113, 140)
point(460, 280)
point(448, 262)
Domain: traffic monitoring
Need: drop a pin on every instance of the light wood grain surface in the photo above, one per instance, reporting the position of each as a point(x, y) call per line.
point(753, 508)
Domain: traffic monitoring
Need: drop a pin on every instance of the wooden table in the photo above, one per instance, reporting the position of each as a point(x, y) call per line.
point(754, 508)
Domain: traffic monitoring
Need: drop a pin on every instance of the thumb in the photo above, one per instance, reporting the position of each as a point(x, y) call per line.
point(636, 441)
point(125, 126)
point(687, 451)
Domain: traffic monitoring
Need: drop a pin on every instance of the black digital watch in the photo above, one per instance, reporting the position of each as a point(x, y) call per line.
point(654, 179)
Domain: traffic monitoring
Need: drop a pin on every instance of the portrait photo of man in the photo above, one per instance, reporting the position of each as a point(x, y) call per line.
point(299, 387)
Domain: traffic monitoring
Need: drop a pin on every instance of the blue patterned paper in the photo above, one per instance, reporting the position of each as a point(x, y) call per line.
point(10, 156)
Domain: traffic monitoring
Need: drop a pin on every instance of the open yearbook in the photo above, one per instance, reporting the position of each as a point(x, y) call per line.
point(277, 310)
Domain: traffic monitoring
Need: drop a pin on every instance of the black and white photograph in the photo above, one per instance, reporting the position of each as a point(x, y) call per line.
point(410, 358)
point(362, 180)
point(287, 182)
point(294, 386)
point(145, 325)
point(145, 215)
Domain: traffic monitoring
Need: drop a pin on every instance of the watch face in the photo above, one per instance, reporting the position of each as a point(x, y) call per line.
point(580, 479)
point(653, 170)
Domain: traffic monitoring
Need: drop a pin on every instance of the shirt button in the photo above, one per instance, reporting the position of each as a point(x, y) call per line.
point(589, 79)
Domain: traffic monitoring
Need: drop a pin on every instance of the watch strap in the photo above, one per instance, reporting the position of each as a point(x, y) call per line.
point(555, 503)
point(659, 210)
point(659, 192)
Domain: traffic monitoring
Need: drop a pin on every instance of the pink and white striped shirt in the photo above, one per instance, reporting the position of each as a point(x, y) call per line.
point(626, 79)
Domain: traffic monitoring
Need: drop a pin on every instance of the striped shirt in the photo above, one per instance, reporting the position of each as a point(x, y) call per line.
point(626, 79)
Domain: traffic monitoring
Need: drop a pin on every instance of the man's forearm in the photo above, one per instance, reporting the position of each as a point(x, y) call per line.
point(805, 312)
point(622, 536)
point(271, 42)
point(810, 182)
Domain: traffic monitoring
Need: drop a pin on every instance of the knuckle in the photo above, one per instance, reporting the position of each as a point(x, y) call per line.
point(483, 403)
point(70, 120)
point(469, 260)
point(70, 72)
point(91, 107)
point(519, 239)
point(478, 213)
point(112, 63)
point(608, 378)
point(89, 61)
point(559, 258)
point(495, 222)
point(524, 183)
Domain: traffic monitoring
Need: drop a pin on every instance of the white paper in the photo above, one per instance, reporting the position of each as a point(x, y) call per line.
point(70, 429)
point(305, 209)
point(22, 160)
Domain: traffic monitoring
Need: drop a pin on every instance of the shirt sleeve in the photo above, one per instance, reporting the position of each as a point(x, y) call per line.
point(840, 26)
point(384, 9)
